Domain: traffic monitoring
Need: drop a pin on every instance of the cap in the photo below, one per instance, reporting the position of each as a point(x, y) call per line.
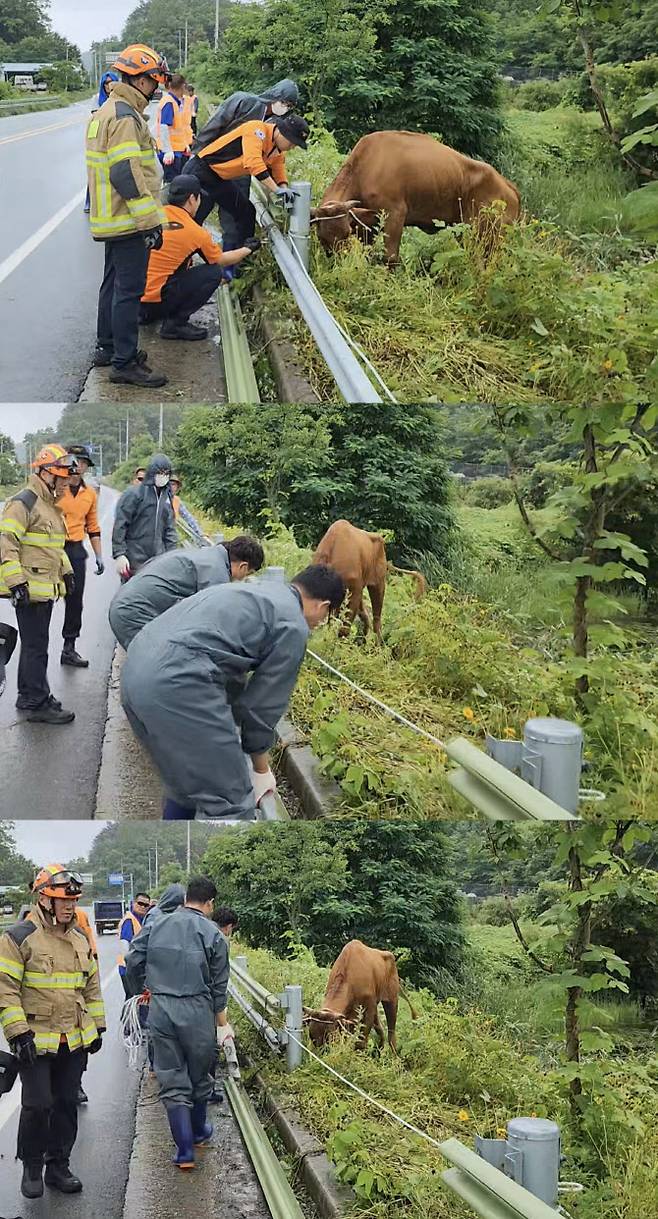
point(181, 187)
point(294, 128)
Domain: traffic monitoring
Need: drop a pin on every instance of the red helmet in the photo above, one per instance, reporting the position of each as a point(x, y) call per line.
point(140, 60)
point(57, 881)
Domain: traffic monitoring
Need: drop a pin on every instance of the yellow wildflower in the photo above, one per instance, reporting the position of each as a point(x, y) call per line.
point(469, 714)
point(501, 1132)
point(462, 1116)
point(607, 365)
point(510, 734)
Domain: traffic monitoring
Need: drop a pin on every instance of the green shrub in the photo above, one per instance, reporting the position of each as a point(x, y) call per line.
point(493, 911)
point(488, 492)
point(544, 480)
point(539, 94)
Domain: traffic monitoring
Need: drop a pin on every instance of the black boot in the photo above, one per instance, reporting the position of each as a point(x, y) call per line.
point(83, 1099)
point(59, 1176)
point(171, 329)
point(71, 657)
point(32, 1183)
point(103, 358)
point(137, 374)
point(49, 713)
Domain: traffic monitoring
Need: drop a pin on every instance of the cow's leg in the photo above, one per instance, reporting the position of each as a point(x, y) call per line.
point(377, 602)
point(368, 1020)
point(351, 609)
point(393, 234)
point(390, 1007)
point(379, 1032)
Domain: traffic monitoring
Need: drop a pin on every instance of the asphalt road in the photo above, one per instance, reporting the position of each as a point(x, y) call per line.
point(50, 269)
point(51, 772)
point(105, 1138)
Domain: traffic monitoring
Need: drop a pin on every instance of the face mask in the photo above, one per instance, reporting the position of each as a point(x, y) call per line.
point(161, 480)
point(280, 108)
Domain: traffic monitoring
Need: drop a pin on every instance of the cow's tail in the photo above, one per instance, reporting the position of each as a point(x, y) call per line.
point(417, 576)
point(414, 1013)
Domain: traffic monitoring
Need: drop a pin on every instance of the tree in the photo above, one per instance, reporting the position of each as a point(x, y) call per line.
point(130, 847)
point(15, 869)
point(161, 25)
point(10, 470)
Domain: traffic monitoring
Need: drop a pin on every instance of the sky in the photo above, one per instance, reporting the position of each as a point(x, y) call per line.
point(87, 21)
point(55, 841)
point(17, 418)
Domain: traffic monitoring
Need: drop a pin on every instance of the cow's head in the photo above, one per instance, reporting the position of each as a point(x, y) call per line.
point(337, 219)
point(322, 1024)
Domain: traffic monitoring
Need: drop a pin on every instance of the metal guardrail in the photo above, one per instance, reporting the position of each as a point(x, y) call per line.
point(487, 1190)
point(495, 791)
point(274, 1183)
point(31, 101)
point(351, 379)
point(241, 384)
point(289, 1004)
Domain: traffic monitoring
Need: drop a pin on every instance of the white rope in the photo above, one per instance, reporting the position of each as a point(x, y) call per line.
point(131, 1033)
point(377, 702)
point(371, 1100)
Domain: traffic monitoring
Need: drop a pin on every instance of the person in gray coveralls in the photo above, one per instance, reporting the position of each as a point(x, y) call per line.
point(185, 967)
point(179, 573)
point(185, 693)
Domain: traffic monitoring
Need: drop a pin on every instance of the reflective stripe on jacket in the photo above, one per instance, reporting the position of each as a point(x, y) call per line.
point(123, 172)
point(180, 131)
point(32, 536)
point(49, 984)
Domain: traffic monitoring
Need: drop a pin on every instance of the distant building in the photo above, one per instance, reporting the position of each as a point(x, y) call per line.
point(9, 70)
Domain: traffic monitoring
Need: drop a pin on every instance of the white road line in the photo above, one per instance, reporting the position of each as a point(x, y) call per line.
point(25, 135)
point(11, 1101)
point(28, 247)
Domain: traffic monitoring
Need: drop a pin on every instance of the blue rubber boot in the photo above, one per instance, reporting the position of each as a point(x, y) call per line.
point(202, 1130)
point(180, 1124)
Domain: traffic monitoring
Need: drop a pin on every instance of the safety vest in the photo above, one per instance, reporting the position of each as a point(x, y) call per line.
point(137, 927)
point(32, 536)
point(178, 132)
point(188, 115)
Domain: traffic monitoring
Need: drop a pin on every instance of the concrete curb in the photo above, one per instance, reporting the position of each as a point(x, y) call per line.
point(291, 384)
point(317, 794)
point(332, 1198)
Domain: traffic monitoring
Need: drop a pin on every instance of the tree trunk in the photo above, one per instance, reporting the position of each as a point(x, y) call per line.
point(580, 943)
point(599, 101)
point(592, 530)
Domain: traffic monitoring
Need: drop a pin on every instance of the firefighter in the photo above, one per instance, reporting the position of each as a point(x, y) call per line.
point(181, 573)
point(52, 1014)
point(256, 150)
point(35, 571)
point(125, 181)
point(185, 968)
point(79, 504)
point(172, 129)
point(144, 523)
point(185, 691)
point(174, 288)
point(242, 108)
point(131, 925)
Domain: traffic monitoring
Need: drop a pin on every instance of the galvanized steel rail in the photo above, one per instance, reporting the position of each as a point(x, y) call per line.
point(241, 384)
point(273, 1180)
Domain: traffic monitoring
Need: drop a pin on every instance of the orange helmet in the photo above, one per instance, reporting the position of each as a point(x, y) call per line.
point(140, 60)
point(57, 881)
point(55, 458)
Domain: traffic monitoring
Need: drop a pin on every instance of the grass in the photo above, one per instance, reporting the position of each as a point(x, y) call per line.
point(460, 1072)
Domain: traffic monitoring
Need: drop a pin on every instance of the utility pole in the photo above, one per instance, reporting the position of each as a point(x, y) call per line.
point(127, 432)
point(150, 872)
point(156, 863)
point(161, 428)
point(188, 848)
point(186, 36)
point(120, 442)
point(216, 25)
point(180, 49)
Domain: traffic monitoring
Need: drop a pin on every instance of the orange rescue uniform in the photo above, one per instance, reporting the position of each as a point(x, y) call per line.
point(80, 513)
point(248, 149)
point(182, 238)
point(84, 925)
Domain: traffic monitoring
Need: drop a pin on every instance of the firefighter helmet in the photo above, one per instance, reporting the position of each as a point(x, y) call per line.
point(140, 60)
point(54, 457)
point(57, 881)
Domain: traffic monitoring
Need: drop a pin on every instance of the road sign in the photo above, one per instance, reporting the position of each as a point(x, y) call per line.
point(115, 878)
point(111, 56)
point(87, 878)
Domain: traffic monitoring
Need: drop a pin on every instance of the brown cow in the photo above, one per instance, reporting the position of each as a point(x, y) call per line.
point(361, 978)
point(360, 558)
point(414, 180)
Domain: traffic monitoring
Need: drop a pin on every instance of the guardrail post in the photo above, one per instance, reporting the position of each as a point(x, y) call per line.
point(533, 1156)
point(553, 759)
point(294, 1024)
point(217, 538)
point(241, 963)
point(275, 573)
point(299, 231)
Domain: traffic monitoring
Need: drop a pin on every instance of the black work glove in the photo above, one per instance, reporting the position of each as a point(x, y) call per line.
point(20, 595)
point(100, 566)
point(24, 1048)
point(95, 1045)
point(285, 195)
point(153, 239)
point(69, 583)
point(253, 243)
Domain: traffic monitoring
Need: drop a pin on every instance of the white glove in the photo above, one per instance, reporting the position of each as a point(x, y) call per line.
point(225, 1033)
point(122, 565)
point(263, 784)
point(168, 158)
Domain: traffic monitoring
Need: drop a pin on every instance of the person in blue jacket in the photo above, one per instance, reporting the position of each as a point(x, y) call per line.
point(131, 925)
point(108, 79)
